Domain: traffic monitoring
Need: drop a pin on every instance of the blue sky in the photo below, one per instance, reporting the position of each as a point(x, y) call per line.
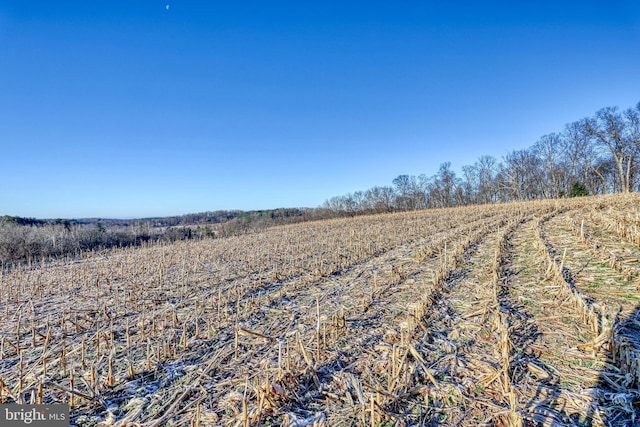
point(130, 109)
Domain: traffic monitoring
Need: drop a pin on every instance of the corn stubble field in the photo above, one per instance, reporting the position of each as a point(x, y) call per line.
point(506, 315)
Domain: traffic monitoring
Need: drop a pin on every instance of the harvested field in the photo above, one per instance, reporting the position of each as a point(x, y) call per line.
point(506, 315)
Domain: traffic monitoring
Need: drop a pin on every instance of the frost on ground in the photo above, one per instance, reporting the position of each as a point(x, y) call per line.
point(522, 314)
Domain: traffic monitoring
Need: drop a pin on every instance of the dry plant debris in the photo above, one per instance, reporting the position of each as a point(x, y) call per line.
point(523, 314)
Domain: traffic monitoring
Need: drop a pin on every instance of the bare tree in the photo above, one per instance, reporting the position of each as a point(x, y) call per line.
point(487, 168)
point(443, 188)
point(360, 201)
point(470, 184)
point(632, 116)
point(610, 130)
point(580, 155)
point(409, 193)
point(551, 176)
point(424, 185)
point(380, 198)
point(520, 178)
point(334, 204)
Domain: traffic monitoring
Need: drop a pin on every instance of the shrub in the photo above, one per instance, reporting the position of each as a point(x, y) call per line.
point(578, 190)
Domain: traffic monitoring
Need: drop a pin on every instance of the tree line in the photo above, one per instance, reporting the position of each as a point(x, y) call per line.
point(594, 155)
point(26, 242)
point(25, 239)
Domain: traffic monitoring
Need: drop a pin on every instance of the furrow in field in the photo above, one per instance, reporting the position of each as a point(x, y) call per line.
point(461, 345)
point(615, 288)
point(593, 272)
point(615, 340)
point(348, 325)
point(555, 373)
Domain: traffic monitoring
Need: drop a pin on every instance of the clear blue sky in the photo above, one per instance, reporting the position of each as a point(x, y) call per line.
point(130, 109)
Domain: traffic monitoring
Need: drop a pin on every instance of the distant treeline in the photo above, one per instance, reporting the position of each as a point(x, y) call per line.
point(27, 239)
point(23, 239)
point(595, 155)
point(215, 217)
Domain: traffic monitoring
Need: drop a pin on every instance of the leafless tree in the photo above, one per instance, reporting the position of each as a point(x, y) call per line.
point(520, 179)
point(443, 188)
point(470, 184)
point(580, 155)
point(486, 168)
point(380, 198)
point(632, 117)
point(609, 129)
point(551, 176)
